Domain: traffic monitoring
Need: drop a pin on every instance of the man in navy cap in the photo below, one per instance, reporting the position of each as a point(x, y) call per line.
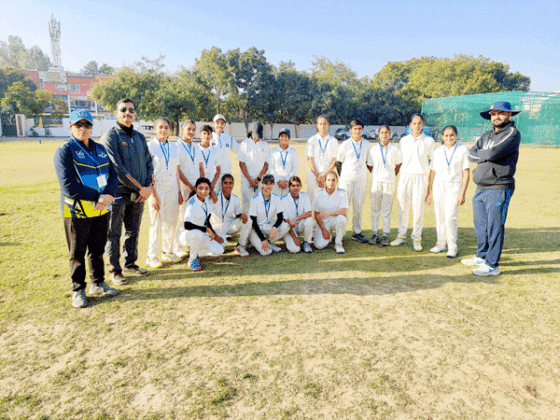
point(496, 154)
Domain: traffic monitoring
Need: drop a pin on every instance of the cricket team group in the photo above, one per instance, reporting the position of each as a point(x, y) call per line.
point(188, 188)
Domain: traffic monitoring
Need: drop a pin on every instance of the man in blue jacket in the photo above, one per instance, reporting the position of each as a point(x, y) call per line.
point(496, 154)
point(129, 153)
point(88, 182)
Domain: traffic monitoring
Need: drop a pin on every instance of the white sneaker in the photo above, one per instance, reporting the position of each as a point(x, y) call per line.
point(417, 245)
point(169, 257)
point(398, 242)
point(473, 261)
point(181, 253)
point(437, 249)
point(241, 251)
point(153, 262)
point(306, 248)
point(275, 248)
point(486, 270)
point(452, 253)
point(339, 248)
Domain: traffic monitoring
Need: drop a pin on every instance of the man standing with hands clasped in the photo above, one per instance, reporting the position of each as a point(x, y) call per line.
point(128, 151)
point(496, 154)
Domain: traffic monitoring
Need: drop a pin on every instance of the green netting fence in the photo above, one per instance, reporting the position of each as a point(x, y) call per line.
point(539, 121)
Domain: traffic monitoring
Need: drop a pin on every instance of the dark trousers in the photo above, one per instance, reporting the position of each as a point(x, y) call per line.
point(490, 209)
point(123, 211)
point(89, 235)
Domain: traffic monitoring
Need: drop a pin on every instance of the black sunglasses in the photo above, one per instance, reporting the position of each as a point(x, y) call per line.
point(83, 124)
point(124, 108)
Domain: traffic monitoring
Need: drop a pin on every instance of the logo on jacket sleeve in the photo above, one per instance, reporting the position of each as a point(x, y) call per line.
point(80, 154)
point(101, 153)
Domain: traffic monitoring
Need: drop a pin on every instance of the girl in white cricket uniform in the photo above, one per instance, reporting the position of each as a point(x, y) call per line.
point(266, 223)
point(384, 161)
point(189, 158)
point(199, 235)
point(253, 157)
point(223, 143)
point(226, 214)
point(417, 151)
point(321, 151)
point(352, 155)
point(164, 203)
point(330, 207)
point(283, 163)
point(210, 162)
point(298, 215)
point(449, 179)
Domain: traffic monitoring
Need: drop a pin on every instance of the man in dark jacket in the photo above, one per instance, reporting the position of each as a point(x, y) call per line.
point(129, 153)
point(496, 154)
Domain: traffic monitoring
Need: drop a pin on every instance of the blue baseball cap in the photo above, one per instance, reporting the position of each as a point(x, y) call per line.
point(76, 116)
point(498, 106)
point(285, 131)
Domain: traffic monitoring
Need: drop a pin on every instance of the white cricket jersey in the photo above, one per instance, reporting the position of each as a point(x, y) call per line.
point(294, 207)
point(384, 160)
point(323, 150)
point(210, 159)
point(165, 159)
point(449, 163)
point(353, 156)
point(266, 212)
point(225, 144)
point(416, 154)
point(189, 155)
point(330, 202)
point(197, 211)
point(225, 210)
point(253, 155)
point(283, 163)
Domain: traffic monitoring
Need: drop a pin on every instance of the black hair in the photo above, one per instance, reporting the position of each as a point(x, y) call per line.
point(416, 115)
point(206, 128)
point(321, 116)
point(162, 119)
point(125, 100)
point(384, 126)
point(184, 124)
point(294, 178)
point(226, 176)
point(355, 122)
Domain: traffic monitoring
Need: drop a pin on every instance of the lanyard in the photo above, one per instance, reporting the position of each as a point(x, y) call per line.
point(297, 205)
point(323, 149)
point(382, 155)
point(356, 150)
point(205, 208)
point(227, 205)
point(266, 208)
point(220, 140)
point(190, 150)
point(451, 158)
point(165, 156)
point(79, 143)
point(205, 158)
point(284, 159)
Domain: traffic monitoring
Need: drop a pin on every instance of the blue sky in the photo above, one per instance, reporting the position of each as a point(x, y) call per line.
point(364, 35)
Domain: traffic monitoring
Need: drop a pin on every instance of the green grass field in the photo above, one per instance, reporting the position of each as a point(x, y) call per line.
point(384, 333)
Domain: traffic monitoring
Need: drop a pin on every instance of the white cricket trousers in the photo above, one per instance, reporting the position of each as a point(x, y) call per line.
point(336, 223)
point(163, 222)
point(312, 186)
point(247, 193)
point(412, 193)
point(356, 193)
point(247, 233)
point(181, 219)
point(382, 195)
point(447, 211)
point(229, 227)
point(200, 244)
point(305, 226)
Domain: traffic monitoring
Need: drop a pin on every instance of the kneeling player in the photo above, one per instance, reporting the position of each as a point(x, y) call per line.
point(330, 206)
point(199, 235)
point(267, 221)
point(297, 211)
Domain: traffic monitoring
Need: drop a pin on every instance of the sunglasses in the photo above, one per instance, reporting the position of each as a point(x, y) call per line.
point(80, 124)
point(124, 108)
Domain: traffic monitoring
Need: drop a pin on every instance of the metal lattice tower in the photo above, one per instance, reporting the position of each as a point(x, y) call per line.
point(54, 31)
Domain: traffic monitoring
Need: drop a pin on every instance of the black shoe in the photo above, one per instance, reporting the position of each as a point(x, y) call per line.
point(134, 269)
point(384, 240)
point(118, 279)
point(374, 239)
point(360, 238)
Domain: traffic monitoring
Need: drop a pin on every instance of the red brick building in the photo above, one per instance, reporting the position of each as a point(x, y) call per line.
point(64, 84)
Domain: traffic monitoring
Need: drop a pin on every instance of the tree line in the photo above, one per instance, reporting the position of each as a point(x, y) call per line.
point(244, 86)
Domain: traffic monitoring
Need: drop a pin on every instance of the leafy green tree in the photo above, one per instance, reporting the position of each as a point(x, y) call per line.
point(293, 95)
point(10, 75)
point(19, 99)
point(212, 73)
point(91, 69)
point(13, 53)
point(106, 69)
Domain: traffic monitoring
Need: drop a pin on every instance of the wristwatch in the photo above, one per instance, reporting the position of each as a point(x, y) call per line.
point(259, 178)
point(100, 199)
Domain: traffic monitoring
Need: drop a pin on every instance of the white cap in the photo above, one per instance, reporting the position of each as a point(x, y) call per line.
point(219, 117)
